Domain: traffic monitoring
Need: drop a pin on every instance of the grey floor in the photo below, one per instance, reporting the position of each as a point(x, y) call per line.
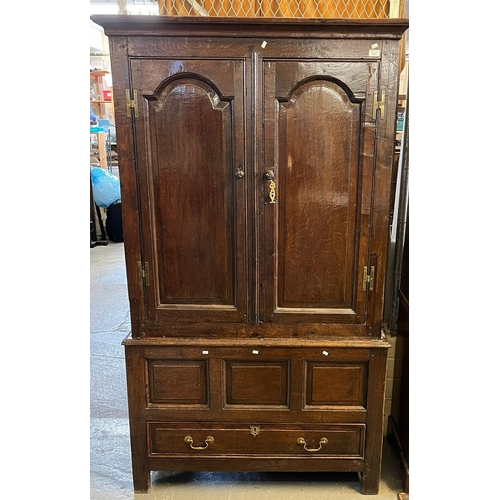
point(110, 465)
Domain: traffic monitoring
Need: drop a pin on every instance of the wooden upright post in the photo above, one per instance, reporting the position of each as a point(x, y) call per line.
point(101, 146)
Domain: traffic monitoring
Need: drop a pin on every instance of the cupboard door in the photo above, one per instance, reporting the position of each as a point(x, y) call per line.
point(191, 170)
point(319, 146)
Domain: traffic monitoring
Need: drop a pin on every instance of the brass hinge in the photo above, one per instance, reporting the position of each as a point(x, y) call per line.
point(132, 103)
point(143, 272)
point(379, 105)
point(368, 278)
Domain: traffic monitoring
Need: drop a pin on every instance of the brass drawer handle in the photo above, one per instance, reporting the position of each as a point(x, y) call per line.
point(208, 440)
point(322, 441)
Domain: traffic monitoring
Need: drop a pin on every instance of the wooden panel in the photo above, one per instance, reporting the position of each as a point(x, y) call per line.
point(343, 440)
point(257, 383)
point(319, 148)
point(278, 47)
point(335, 384)
point(194, 221)
point(174, 382)
point(312, 383)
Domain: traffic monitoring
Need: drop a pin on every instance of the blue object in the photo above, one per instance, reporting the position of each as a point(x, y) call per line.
point(106, 187)
point(93, 117)
point(104, 124)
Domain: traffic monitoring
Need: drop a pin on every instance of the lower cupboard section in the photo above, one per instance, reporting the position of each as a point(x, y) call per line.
point(197, 440)
point(256, 407)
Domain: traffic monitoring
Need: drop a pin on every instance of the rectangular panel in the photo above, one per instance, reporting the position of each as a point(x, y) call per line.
point(257, 383)
point(178, 382)
point(194, 439)
point(334, 384)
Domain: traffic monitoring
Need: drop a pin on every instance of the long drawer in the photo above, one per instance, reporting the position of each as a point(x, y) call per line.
point(194, 439)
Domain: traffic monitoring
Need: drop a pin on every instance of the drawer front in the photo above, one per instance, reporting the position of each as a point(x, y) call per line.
point(346, 440)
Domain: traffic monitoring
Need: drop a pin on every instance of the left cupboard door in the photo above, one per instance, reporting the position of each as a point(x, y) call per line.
point(192, 178)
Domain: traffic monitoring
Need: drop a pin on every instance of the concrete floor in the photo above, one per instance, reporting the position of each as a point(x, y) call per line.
point(110, 463)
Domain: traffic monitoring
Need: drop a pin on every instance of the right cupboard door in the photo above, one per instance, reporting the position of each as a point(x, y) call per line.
point(317, 175)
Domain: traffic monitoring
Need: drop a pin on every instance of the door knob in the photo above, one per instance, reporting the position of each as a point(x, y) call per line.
point(269, 175)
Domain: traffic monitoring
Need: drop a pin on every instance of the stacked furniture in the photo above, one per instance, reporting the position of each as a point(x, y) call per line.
point(255, 164)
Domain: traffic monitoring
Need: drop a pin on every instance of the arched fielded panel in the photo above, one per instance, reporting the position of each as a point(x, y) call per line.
point(319, 130)
point(192, 163)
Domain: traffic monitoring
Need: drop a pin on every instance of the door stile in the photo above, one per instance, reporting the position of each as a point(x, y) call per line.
point(129, 185)
point(258, 200)
point(145, 157)
point(269, 229)
point(244, 228)
point(385, 134)
point(368, 155)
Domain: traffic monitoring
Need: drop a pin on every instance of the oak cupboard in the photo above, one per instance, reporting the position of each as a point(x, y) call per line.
point(255, 162)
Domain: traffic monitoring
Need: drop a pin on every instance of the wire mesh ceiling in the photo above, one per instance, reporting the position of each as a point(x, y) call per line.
point(371, 9)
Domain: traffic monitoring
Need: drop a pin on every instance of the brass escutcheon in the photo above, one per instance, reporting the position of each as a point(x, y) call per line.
point(272, 192)
point(254, 430)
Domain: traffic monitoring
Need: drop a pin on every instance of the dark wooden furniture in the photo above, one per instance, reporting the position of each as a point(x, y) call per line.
point(255, 163)
point(398, 429)
point(399, 420)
